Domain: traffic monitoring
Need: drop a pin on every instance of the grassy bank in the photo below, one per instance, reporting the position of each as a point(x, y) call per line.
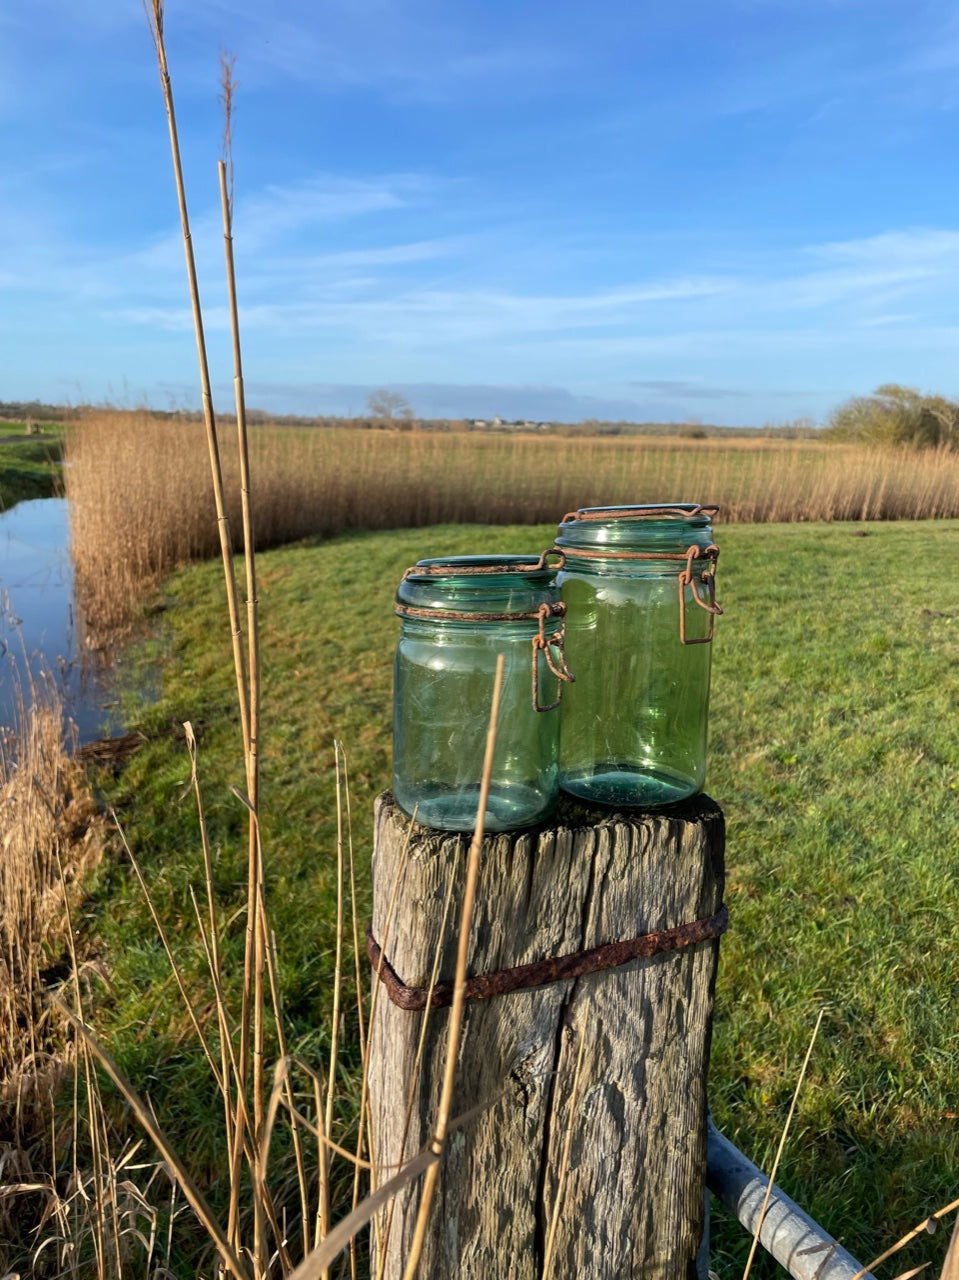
point(139, 503)
point(30, 465)
point(833, 753)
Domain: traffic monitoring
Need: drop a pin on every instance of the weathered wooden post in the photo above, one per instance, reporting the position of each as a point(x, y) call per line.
point(589, 1065)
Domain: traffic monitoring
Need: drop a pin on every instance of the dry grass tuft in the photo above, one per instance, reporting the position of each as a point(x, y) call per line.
point(50, 838)
point(47, 818)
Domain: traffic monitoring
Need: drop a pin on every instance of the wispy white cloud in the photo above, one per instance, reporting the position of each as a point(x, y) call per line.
point(381, 256)
point(893, 320)
point(853, 287)
point(387, 288)
point(428, 315)
point(274, 231)
point(278, 215)
point(281, 209)
point(849, 284)
point(902, 247)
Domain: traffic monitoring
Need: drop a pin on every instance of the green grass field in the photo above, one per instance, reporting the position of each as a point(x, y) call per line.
point(834, 753)
point(29, 468)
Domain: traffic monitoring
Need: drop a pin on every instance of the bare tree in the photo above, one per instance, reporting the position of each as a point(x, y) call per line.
point(389, 406)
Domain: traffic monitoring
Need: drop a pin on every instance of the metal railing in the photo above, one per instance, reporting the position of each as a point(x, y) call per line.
point(789, 1235)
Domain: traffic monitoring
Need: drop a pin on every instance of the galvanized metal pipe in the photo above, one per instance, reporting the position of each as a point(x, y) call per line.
point(796, 1242)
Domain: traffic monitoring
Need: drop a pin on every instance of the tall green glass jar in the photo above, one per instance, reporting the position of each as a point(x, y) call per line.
point(457, 616)
point(639, 588)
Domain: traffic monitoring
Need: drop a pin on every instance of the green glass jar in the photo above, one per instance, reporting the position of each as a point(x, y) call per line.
point(639, 588)
point(457, 616)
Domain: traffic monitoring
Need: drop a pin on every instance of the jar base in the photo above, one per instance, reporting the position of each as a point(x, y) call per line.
point(508, 808)
point(629, 787)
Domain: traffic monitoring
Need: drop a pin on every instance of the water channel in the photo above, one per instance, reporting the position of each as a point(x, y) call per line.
point(39, 619)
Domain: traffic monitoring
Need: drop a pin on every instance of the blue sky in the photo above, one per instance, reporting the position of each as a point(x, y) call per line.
point(740, 211)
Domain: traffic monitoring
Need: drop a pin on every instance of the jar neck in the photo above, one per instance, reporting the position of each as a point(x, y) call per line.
point(524, 628)
point(586, 562)
point(662, 538)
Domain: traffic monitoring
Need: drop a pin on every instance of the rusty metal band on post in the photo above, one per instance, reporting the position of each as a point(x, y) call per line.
point(541, 973)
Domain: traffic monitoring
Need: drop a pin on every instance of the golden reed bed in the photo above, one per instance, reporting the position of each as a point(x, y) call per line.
point(140, 503)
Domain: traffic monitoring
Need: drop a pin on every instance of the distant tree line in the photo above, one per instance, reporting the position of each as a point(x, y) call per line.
point(34, 411)
point(895, 415)
point(892, 415)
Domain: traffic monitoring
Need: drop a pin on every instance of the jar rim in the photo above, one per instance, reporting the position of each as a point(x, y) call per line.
point(651, 532)
point(645, 511)
point(479, 565)
point(477, 585)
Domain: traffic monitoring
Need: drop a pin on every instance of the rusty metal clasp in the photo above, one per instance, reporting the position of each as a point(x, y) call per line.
point(708, 581)
point(543, 643)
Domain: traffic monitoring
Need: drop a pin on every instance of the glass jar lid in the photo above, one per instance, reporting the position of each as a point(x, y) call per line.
point(480, 585)
point(667, 527)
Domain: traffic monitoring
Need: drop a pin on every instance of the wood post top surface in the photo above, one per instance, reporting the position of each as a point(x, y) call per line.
point(570, 815)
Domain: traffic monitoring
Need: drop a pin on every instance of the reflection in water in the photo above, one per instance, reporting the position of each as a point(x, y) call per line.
point(37, 615)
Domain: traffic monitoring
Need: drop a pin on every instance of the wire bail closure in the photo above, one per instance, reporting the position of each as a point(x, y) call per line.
point(541, 642)
point(686, 577)
point(556, 641)
point(708, 580)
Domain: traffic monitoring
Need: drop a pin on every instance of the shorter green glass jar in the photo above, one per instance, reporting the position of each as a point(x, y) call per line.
point(457, 616)
point(639, 589)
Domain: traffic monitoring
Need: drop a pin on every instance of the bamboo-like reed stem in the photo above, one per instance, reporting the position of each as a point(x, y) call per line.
point(317, 1264)
point(337, 986)
point(365, 1117)
point(934, 1218)
point(213, 957)
point(415, 1075)
point(253, 1154)
point(950, 1265)
point(255, 957)
point(295, 1123)
point(155, 14)
point(361, 1021)
point(459, 991)
point(782, 1145)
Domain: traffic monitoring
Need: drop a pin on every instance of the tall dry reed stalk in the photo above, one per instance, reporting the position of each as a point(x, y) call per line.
point(320, 481)
point(256, 1241)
